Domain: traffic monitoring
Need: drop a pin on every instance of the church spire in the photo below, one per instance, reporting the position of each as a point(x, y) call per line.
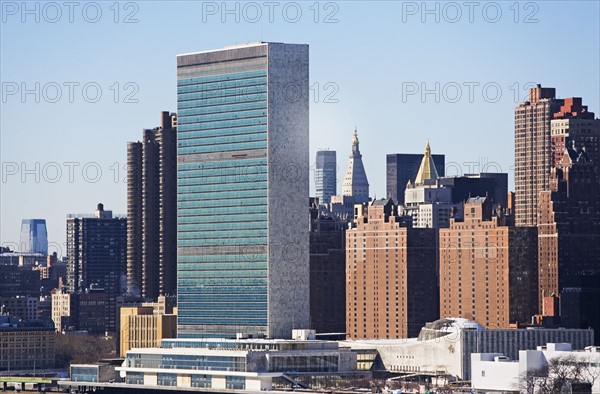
point(427, 169)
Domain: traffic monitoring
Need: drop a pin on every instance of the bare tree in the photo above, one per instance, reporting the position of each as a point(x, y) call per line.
point(590, 372)
point(557, 376)
point(526, 382)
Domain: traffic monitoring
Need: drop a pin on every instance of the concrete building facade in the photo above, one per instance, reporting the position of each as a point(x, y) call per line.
point(151, 210)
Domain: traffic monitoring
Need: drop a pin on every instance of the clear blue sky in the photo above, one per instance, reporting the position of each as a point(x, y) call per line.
point(362, 65)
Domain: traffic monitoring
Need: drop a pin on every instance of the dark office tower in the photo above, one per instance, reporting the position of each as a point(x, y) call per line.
point(151, 207)
point(325, 176)
point(533, 151)
point(327, 271)
point(575, 124)
point(403, 167)
point(34, 236)
point(96, 250)
point(485, 184)
point(569, 225)
point(242, 186)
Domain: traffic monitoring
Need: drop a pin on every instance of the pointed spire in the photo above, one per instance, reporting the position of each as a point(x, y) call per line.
point(427, 169)
point(355, 179)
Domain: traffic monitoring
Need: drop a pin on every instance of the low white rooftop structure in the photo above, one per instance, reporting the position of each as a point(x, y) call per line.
point(444, 347)
point(536, 368)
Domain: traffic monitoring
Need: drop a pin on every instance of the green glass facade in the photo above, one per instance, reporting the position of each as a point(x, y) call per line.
point(222, 199)
point(230, 139)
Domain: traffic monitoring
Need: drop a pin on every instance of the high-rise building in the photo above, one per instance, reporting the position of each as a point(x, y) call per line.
point(402, 168)
point(569, 228)
point(151, 211)
point(325, 176)
point(488, 271)
point(574, 124)
point(484, 184)
point(327, 271)
point(96, 249)
point(356, 184)
point(533, 151)
point(242, 188)
point(426, 200)
point(97, 258)
point(34, 236)
point(391, 275)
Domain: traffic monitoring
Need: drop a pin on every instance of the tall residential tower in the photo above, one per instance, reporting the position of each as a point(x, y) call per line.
point(151, 210)
point(242, 188)
point(533, 151)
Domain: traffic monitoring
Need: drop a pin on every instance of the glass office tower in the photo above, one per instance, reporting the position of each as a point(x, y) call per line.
point(242, 188)
point(34, 236)
point(325, 176)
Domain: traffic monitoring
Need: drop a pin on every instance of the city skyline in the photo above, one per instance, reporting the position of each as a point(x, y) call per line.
point(50, 138)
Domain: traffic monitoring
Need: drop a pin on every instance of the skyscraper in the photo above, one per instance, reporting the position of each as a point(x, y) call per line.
point(96, 249)
point(325, 176)
point(356, 184)
point(34, 236)
point(97, 259)
point(533, 159)
point(242, 188)
point(569, 231)
point(403, 167)
point(151, 211)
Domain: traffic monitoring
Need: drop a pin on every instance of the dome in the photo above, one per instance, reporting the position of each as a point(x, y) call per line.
point(447, 326)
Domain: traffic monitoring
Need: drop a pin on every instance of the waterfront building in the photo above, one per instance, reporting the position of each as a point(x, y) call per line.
point(242, 188)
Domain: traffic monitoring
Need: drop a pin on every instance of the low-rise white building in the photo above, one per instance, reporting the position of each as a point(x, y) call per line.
point(496, 372)
point(240, 364)
point(444, 347)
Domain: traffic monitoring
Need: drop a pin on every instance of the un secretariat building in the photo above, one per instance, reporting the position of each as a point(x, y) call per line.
point(242, 191)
